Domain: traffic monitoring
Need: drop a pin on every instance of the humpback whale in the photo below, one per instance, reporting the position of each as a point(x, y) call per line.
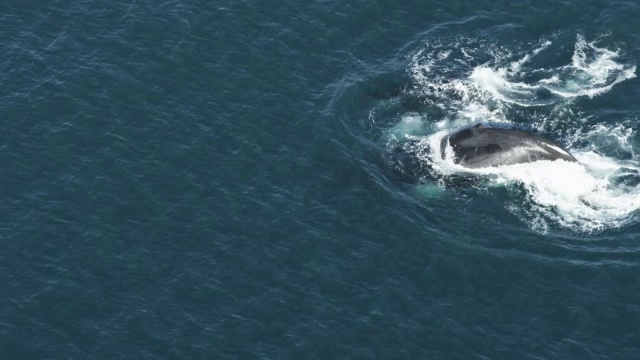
point(480, 146)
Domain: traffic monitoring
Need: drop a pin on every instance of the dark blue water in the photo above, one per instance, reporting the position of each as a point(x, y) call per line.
point(219, 180)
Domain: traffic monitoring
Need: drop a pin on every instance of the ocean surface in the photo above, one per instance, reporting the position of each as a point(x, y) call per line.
point(259, 180)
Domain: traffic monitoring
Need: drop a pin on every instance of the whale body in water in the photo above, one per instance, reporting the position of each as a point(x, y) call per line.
point(480, 146)
point(474, 147)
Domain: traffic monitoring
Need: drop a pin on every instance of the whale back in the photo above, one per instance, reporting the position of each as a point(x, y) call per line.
point(480, 146)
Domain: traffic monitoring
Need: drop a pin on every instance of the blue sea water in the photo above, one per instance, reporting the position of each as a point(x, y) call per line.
point(219, 180)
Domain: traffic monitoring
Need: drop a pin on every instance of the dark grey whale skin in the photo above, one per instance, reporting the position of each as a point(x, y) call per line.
point(479, 146)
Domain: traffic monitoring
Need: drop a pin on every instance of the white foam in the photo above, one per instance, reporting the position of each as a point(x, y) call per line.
point(593, 71)
point(516, 66)
point(601, 191)
point(572, 195)
point(590, 71)
point(496, 83)
point(586, 196)
point(583, 196)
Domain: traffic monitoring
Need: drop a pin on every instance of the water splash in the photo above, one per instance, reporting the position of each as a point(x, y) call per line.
point(472, 81)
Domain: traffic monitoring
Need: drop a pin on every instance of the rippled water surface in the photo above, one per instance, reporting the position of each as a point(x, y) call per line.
point(255, 179)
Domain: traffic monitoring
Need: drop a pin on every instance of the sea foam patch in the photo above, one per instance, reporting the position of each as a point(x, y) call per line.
point(472, 81)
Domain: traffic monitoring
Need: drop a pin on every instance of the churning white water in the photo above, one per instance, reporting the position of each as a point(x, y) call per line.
point(601, 191)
